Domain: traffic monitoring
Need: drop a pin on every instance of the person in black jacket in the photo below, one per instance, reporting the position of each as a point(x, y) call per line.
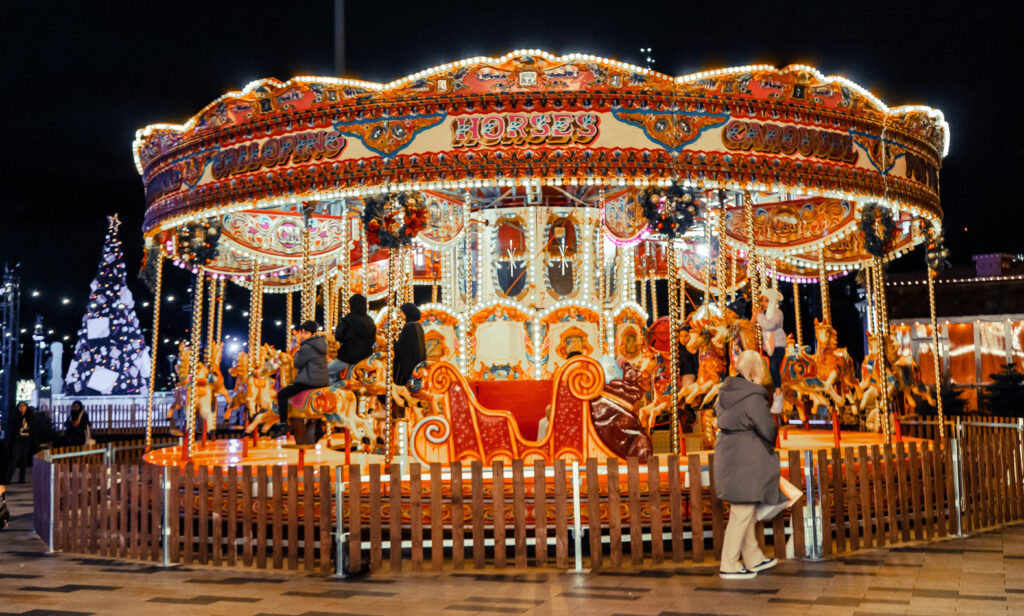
point(77, 427)
point(356, 333)
point(20, 444)
point(410, 348)
point(311, 365)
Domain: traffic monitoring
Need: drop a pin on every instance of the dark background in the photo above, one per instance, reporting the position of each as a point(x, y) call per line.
point(80, 78)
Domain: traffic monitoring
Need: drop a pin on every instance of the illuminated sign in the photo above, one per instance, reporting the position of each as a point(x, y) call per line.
point(788, 139)
point(294, 148)
point(553, 128)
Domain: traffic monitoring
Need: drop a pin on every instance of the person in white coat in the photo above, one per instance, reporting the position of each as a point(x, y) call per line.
point(768, 317)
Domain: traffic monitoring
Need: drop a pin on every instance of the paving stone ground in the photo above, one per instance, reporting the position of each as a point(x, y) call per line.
point(981, 574)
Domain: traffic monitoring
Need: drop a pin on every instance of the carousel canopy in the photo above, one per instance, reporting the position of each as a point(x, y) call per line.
point(789, 154)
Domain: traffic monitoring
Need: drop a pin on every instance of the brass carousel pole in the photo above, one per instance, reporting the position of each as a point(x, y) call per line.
point(364, 270)
point(654, 288)
point(194, 357)
point(721, 269)
point(881, 335)
point(932, 273)
point(389, 330)
point(752, 279)
point(673, 341)
point(288, 312)
point(796, 315)
point(211, 323)
point(600, 286)
point(344, 265)
point(153, 350)
point(709, 261)
point(308, 298)
point(221, 288)
point(826, 302)
point(255, 318)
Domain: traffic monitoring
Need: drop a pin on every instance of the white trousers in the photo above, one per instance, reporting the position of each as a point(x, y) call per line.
point(740, 549)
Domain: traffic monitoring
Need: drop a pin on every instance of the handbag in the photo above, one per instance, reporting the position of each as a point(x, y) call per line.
point(768, 512)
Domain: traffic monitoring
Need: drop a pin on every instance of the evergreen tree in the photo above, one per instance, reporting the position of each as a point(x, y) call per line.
point(1006, 393)
point(953, 401)
point(111, 356)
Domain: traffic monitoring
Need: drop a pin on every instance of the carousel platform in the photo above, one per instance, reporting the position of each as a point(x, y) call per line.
point(283, 451)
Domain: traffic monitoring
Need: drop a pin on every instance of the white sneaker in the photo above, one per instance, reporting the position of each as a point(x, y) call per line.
point(742, 574)
point(767, 563)
point(777, 404)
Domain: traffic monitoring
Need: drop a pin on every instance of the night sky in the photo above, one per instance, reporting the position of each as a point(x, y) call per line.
point(79, 79)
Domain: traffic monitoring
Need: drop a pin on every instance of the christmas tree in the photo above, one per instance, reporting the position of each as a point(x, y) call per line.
point(111, 356)
point(1006, 393)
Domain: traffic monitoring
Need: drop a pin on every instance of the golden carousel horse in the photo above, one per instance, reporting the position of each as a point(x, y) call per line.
point(904, 382)
point(209, 385)
point(826, 377)
point(255, 387)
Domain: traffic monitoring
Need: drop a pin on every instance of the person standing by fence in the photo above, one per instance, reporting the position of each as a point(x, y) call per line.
point(20, 442)
point(77, 428)
point(746, 467)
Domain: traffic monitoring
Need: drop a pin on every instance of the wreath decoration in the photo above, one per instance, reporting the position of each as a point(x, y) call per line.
point(197, 243)
point(877, 229)
point(669, 210)
point(147, 270)
point(392, 220)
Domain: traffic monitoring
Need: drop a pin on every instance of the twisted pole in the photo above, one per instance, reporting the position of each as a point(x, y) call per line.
point(153, 349)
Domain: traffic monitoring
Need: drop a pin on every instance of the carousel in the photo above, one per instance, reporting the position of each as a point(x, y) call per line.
point(538, 206)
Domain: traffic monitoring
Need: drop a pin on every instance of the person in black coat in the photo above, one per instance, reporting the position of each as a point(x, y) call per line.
point(20, 442)
point(356, 333)
point(410, 348)
point(77, 427)
point(311, 366)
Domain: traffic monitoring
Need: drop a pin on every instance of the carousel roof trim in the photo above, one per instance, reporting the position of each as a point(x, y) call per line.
point(142, 133)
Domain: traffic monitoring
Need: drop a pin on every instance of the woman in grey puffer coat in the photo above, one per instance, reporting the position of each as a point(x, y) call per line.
point(746, 467)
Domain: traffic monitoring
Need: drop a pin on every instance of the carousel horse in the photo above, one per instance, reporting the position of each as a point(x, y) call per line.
point(908, 375)
point(337, 405)
point(259, 395)
point(826, 377)
point(709, 340)
point(209, 385)
point(904, 383)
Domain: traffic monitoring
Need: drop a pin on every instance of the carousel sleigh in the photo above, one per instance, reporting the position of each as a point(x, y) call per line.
point(462, 429)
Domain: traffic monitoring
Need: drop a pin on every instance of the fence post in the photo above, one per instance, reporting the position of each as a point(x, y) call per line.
point(340, 537)
point(53, 467)
point(577, 523)
point(812, 548)
point(957, 483)
point(165, 519)
point(110, 416)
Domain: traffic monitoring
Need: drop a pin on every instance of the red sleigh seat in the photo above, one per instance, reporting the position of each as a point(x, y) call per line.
point(464, 429)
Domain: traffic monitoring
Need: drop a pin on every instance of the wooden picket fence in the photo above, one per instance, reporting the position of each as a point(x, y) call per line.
point(927, 427)
point(534, 515)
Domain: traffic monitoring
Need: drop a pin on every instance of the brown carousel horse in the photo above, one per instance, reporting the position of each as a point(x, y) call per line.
point(826, 377)
point(904, 382)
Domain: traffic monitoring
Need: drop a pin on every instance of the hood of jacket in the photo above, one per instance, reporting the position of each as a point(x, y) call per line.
point(317, 342)
point(357, 304)
point(735, 390)
point(411, 312)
